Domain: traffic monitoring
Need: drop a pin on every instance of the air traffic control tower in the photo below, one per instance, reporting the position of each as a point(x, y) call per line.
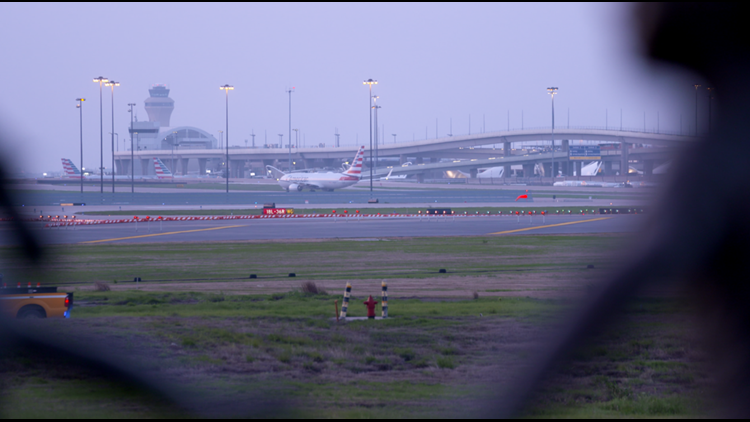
point(159, 106)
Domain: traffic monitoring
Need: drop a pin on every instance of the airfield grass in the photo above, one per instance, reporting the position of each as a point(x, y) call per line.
point(272, 261)
point(437, 356)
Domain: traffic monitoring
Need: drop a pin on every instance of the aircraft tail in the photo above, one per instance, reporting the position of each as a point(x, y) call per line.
point(276, 173)
point(162, 171)
point(356, 167)
point(70, 168)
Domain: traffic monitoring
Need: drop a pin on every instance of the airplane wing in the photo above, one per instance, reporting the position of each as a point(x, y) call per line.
point(311, 185)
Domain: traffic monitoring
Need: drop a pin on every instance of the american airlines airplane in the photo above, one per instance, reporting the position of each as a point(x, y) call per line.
point(323, 181)
point(71, 171)
point(162, 171)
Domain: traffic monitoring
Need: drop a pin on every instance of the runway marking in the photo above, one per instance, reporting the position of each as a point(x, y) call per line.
point(162, 234)
point(552, 225)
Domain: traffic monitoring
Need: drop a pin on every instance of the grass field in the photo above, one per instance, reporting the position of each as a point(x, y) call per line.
point(206, 326)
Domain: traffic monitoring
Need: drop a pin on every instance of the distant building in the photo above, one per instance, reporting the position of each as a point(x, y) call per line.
point(156, 134)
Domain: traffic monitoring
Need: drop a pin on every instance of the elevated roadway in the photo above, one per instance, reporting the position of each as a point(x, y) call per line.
point(444, 147)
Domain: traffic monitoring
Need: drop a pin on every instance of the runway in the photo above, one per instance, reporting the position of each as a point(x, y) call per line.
point(329, 228)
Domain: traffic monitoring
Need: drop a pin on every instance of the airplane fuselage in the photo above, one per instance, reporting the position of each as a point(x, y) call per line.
point(312, 181)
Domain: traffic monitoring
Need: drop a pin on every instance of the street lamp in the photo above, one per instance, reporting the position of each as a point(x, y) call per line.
point(117, 141)
point(289, 91)
point(370, 83)
point(79, 106)
point(696, 108)
point(296, 137)
point(552, 91)
point(101, 80)
point(377, 134)
point(226, 88)
point(112, 85)
point(132, 156)
point(174, 167)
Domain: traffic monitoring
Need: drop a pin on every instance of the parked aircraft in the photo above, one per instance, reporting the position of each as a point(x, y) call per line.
point(71, 171)
point(323, 181)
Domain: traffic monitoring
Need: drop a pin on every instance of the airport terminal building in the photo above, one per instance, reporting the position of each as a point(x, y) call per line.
point(156, 134)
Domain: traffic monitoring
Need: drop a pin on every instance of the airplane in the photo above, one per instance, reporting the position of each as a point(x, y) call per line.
point(162, 171)
point(323, 181)
point(71, 171)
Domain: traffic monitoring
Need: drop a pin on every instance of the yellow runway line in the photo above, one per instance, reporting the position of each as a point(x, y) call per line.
point(552, 225)
point(161, 234)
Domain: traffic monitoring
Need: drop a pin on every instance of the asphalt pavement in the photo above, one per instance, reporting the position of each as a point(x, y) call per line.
point(330, 228)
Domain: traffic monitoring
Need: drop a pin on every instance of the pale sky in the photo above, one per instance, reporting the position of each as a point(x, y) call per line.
point(432, 61)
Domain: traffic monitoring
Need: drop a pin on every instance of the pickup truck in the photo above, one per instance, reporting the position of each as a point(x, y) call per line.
point(35, 302)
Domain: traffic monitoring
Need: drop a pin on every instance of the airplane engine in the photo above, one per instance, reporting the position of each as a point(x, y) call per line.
point(296, 187)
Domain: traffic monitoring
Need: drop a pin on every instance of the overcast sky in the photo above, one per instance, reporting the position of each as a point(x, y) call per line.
point(431, 61)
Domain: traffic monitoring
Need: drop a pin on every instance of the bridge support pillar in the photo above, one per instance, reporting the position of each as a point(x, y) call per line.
point(184, 165)
point(309, 163)
point(578, 165)
point(506, 171)
point(547, 169)
point(146, 165)
point(473, 173)
point(625, 166)
point(402, 158)
point(528, 170)
point(420, 160)
point(120, 167)
point(565, 145)
point(506, 149)
point(608, 168)
point(201, 166)
point(420, 178)
point(648, 168)
point(238, 169)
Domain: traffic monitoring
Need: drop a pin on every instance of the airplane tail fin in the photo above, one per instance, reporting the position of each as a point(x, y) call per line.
point(70, 168)
point(162, 170)
point(356, 167)
point(276, 173)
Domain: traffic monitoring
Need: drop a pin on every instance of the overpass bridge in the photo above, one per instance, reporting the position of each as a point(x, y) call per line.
point(464, 146)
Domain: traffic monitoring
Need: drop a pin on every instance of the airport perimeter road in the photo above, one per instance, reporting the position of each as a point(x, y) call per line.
point(328, 228)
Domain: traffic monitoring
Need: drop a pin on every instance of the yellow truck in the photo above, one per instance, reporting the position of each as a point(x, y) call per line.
point(35, 302)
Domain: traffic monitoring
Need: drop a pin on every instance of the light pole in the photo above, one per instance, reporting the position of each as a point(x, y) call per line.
point(377, 135)
point(696, 108)
point(226, 88)
point(132, 154)
point(112, 85)
point(79, 106)
point(289, 91)
point(370, 83)
point(101, 80)
point(174, 167)
point(296, 138)
point(552, 91)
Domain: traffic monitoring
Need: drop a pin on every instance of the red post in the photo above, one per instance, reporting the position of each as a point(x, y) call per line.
point(370, 303)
